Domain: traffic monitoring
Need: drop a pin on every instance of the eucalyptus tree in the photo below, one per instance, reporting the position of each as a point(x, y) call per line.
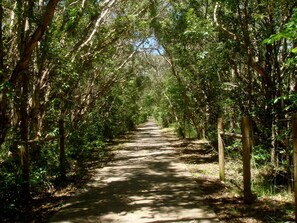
point(261, 76)
point(230, 58)
point(53, 75)
point(192, 49)
point(23, 27)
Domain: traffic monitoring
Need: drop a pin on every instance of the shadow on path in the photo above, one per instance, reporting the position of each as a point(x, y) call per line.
point(145, 183)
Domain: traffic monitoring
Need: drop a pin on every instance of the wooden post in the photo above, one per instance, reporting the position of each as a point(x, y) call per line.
point(221, 150)
point(246, 146)
point(294, 137)
point(62, 151)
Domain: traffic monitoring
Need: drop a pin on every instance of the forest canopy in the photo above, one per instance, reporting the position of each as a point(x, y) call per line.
point(75, 74)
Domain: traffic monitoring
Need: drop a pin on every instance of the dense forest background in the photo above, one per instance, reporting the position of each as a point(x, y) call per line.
point(74, 74)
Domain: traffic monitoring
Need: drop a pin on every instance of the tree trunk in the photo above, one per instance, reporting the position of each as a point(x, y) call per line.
point(221, 150)
point(1, 44)
point(175, 116)
point(62, 151)
point(273, 146)
point(24, 139)
point(23, 64)
point(288, 163)
point(3, 98)
point(294, 137)
point(246, 146)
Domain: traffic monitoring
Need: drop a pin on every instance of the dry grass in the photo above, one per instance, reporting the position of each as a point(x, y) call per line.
point(226, 198)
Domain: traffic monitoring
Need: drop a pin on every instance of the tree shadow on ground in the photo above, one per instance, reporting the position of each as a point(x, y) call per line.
point(265, 210)
point(145, 183)
point(154, 186)
point(220, 196)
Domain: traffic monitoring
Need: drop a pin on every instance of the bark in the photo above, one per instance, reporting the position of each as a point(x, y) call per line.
point(12, 17)
point(294, 138)
point(221, 150)
point(288, 161)
point(96, 22)
point(37, 105)
point(1, 44)
point(3, 104)
point(245, 42)
point(3, 117)
point(196, 126)
point(186, 97)
point(23, 63)
point(246, 147)
point(62, 151)
point(206, 9)
point(175, 116)
point(22, 97)
point(24, 137)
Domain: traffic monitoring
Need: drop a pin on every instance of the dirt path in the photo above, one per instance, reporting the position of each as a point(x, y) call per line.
point(145, 183)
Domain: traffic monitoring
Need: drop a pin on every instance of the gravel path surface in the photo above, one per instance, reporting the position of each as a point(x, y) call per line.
point(145, 183)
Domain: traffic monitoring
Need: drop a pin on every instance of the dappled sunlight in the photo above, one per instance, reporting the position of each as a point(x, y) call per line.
point(145, 183)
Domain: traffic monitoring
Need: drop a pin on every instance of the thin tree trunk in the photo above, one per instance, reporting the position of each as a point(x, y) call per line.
point(246, 146)
point(23, 63)
point(1, 43)
point(175, 115)
point(24, 140)
point(273, 146)
point(288, 162)
point(62, 151)
point(221, 150)
point(21, 85)
point(3, 97)
point(294, 137)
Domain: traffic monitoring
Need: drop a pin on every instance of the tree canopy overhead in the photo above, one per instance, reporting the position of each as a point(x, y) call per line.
point(75, 74)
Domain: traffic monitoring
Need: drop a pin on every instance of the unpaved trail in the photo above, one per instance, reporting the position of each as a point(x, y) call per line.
point(145, 183)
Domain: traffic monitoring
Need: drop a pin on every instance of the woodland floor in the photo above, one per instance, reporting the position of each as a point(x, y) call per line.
point(225, 198)
point(156, 177)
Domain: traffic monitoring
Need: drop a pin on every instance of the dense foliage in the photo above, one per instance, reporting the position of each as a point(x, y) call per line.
point(76, 74)
point(69, 84)
point(229, 59)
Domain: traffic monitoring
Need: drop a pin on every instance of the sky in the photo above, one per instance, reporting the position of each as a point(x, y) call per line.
point(150, 45)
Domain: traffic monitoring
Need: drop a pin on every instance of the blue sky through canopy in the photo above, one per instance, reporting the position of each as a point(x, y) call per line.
point(150, 45)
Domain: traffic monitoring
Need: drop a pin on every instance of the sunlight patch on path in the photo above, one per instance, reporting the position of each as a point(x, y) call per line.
point(146, 183)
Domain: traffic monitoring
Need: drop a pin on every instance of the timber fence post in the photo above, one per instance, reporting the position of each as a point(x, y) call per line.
point(246, 147)
point(221, 150)
point(294, 137)
point(62, 161)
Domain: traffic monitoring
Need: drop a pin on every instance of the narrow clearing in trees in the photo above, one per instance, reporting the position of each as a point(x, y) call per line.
point(145, 182)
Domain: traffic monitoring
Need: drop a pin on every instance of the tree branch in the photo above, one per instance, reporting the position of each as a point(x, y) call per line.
point(215, 18)
point(23, 63)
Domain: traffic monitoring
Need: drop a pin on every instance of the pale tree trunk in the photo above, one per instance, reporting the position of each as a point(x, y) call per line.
point(175, 115)
point(22, 107)
point(36, 113)
point(3, 105)
point(12, 17)
point(1, 44)
point(31, 44)
point(25, 58)
point(24, 139)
